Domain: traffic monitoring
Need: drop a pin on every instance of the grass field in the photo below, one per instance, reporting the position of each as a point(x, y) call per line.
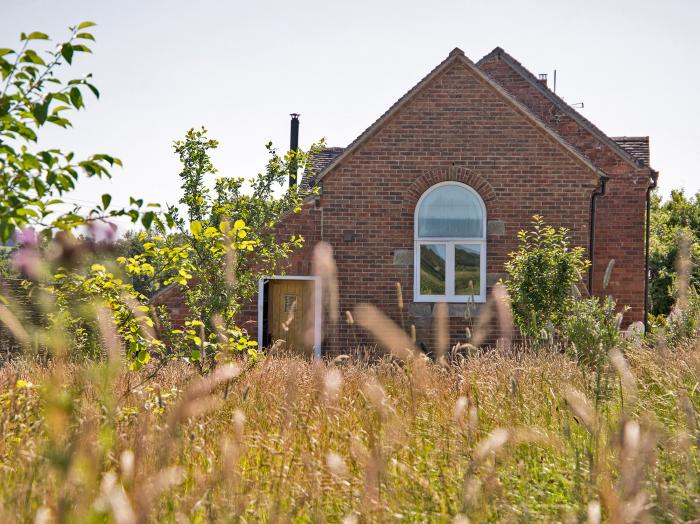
point(512, 437)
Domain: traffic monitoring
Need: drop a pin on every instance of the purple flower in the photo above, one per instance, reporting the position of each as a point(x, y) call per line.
point(26, 261)
point(27, 238)
point(102, 231)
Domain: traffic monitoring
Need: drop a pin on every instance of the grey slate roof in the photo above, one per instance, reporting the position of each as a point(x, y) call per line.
point(637, 146)
point(318, 163)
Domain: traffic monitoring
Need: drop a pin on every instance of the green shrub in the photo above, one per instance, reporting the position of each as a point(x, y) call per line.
point(542, 273)
point(591, 329)
point(683, 322)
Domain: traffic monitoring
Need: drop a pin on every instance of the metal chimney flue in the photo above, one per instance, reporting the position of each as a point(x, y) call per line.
point(293, 146)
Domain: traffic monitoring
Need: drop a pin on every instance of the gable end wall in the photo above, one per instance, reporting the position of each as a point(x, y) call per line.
point(456, 128)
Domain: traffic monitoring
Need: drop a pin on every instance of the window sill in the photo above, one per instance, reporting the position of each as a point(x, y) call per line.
point(427, 310)
point(451, 300)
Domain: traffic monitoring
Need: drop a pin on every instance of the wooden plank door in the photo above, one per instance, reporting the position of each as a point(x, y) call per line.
point(290, 314)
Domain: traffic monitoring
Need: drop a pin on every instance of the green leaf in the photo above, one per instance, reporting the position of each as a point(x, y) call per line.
point(67, 52)
point(83, 25)
point(80, 48)
point(40, 112)
point(85, 36)
point(196, 355)
point(93, 89)
point(76, 98)
point(106, 199)
point(6, 51)
point(143, 357)
point(147, 219)
point(36, 35)
point(31, 57)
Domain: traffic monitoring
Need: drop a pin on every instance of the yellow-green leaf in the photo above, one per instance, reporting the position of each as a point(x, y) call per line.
point(196, 228)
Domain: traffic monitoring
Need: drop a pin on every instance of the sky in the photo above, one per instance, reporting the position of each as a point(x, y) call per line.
point(239, 68)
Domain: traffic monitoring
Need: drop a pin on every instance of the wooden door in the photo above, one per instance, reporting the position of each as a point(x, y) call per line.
point(290, 314)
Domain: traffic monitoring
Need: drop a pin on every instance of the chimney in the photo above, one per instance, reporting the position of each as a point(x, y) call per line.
point(543, 79)
point(293, 146)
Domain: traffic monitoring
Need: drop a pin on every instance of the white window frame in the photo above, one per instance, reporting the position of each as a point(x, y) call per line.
point(449, 244)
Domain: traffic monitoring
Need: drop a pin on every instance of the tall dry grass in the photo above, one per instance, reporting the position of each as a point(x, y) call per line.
point(493, 437)
point(506, 435)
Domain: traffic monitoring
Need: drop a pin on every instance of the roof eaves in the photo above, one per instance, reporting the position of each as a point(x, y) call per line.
point(561, 104)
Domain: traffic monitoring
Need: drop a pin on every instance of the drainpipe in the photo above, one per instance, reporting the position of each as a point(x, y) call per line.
point(591, 240)
point(652, 186)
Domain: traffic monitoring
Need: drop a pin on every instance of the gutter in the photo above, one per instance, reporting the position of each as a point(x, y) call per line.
point(653, 185)
point(591, 240)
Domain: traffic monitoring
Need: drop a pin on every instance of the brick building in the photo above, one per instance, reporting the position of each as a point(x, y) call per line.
point(433, 193)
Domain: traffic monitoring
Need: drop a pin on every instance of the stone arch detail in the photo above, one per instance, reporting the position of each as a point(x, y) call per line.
point(448, 174)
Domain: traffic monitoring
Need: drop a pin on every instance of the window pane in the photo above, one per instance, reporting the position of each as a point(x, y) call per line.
point(450, 211)
point(432, 269)
point(467, 269)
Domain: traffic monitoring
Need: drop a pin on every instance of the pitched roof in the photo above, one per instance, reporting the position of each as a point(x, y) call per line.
point(318, 163)
point(561, 104)
point(637, 146)
point(455, 55)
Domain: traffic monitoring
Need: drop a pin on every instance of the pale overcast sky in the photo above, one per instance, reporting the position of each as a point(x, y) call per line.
point(240, 68)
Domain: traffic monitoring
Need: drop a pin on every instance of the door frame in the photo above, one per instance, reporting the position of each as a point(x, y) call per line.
point(317, 307)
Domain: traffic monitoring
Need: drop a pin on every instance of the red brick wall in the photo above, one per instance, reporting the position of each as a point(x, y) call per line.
point(620, 215)
point(457, 128)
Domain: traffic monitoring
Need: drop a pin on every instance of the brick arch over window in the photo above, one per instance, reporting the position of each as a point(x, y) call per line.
point(449, 174)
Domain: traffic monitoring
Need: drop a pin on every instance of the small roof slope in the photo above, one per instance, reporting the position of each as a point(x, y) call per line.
point(318, 163)
point(637, 146)
point(561, 104)
point(457, 55)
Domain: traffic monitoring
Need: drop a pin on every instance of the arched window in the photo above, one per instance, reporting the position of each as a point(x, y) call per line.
point(450, 245)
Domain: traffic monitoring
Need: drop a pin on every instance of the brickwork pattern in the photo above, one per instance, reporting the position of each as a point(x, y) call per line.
point(458, 128)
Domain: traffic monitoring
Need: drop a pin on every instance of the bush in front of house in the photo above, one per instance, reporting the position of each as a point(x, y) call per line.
point(592, 329)
point(541, 275)
point(683, 322)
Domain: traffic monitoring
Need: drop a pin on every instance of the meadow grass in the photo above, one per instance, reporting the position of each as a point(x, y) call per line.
point(517, 436)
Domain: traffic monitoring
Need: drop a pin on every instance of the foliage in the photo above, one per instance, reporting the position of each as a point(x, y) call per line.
point(33, 182)
point(541, 274)
point(70, 291)
point(5, 265)
point(671, 221)
point(591, 329)
point(75, 296)
point(494, 438)
point(128, 246)
point(222, 245)
point(683, 322)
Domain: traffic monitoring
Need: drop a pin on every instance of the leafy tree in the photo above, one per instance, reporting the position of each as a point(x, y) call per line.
point(224, 242)
point(33, 180)
point(671, 221)
point(541, 274)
